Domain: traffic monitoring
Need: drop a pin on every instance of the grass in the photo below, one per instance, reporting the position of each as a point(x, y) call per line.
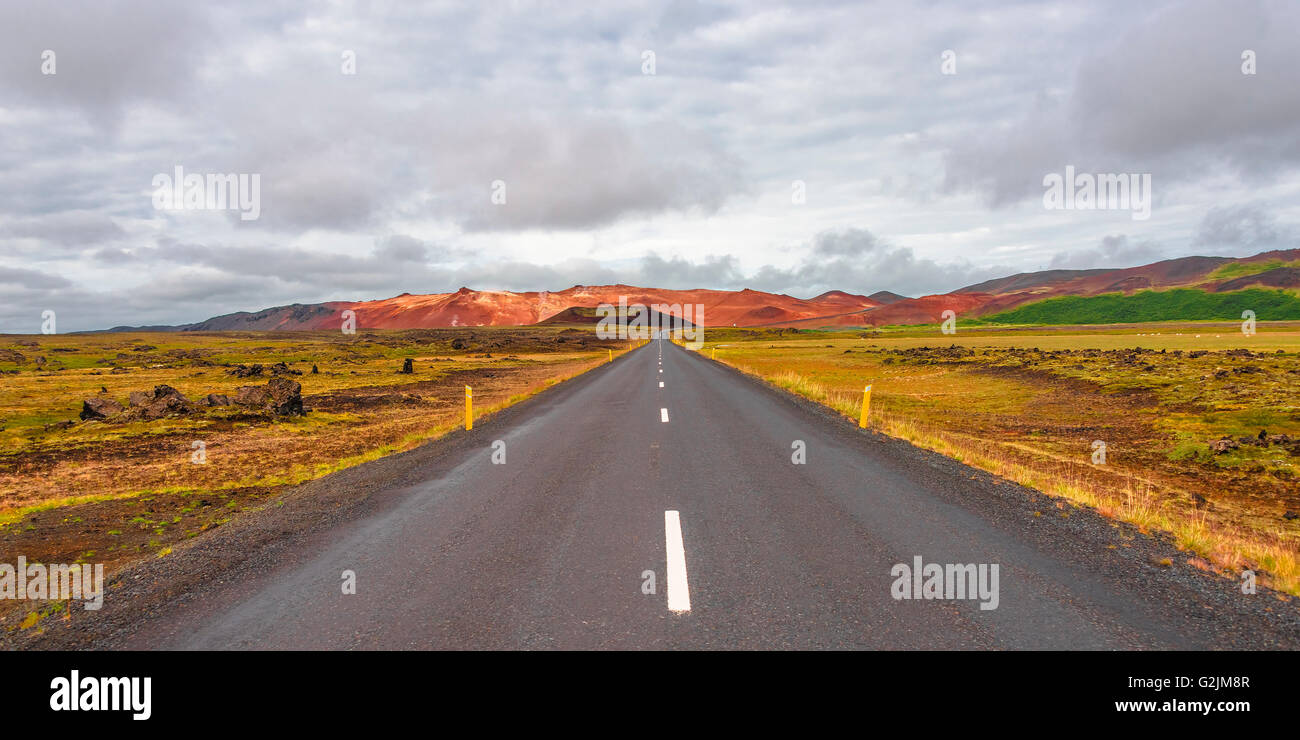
point(1242, 269)
point(1150, 305)
point(130, 490)
point(1026, 405)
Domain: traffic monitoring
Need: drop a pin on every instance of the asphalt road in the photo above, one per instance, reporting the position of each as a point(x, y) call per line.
point(667, 462)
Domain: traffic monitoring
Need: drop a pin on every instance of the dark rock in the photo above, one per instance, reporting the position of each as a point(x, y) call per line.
point(315, 370)
point(408, 367)
point(1289, 515)
point(280, 368)
point(165, 401)
point(99, 408)
point(215, 399)
point(1221, 446)
point(245, 371)
point(280, 396)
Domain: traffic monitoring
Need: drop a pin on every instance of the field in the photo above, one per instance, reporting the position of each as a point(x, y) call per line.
point(1030, 404)
point(110, 491)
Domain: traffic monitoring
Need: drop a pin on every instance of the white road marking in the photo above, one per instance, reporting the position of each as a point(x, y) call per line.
point(663, 415)
point(679, 593)
point(661, 384)
point(661, 369)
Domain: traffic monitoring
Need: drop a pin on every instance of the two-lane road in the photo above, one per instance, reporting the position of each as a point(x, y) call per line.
point(664, 465)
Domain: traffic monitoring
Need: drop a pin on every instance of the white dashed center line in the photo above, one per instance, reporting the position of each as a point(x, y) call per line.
point(661, 384)
point(679, 594)
point(663, 415)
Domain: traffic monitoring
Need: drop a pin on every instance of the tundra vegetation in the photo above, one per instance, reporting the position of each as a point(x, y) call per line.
point(118, 446)
point(1201, 422)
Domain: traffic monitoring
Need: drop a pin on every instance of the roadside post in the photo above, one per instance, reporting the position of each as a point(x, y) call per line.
point(469, 408)
point(866, 407)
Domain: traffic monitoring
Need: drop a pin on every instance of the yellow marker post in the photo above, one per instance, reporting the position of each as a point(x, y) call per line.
point(866, 406)
point(469, 408)
point(611, 355)
point(715, 353)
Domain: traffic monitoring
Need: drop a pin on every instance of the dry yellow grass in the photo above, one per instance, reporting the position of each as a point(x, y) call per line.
point(911, 403)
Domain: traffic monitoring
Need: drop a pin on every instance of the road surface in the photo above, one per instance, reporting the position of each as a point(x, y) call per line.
point(666, 465)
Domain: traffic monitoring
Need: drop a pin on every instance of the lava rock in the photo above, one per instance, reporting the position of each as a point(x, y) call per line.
point(1222, 446)
point(99, 408)
point(281, 396)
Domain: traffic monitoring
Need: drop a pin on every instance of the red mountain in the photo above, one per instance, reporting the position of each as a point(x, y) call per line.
point(465, 307)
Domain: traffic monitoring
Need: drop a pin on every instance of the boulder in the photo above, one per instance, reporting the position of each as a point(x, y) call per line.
point(215, 399)
point(280, 396)
point(246, 371)
point(408, 367)
point(99, 408)
point(165, 401)
point(1221, 446)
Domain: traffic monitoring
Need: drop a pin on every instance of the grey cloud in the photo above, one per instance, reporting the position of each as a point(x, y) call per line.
point(391, 261)
point(1114, 251)
point(550, 99)
point(70, 228)
point(583, 174)
point(107, 54)
point(856, 261)
point(31, 279)
point(1242, 227)
point(1165, 95)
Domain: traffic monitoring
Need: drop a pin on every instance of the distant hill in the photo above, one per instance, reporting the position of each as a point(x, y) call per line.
point(584, 316)
point(1177, 304)
point(1277, 270)
point(884, 297)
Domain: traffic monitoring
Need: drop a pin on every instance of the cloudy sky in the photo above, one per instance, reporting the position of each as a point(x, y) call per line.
point(661, 144)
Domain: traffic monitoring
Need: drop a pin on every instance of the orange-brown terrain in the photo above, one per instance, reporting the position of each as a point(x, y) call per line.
point(749, 308)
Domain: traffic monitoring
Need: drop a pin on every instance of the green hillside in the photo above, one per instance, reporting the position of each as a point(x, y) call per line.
point(1179, 304)
point(1242, 269)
